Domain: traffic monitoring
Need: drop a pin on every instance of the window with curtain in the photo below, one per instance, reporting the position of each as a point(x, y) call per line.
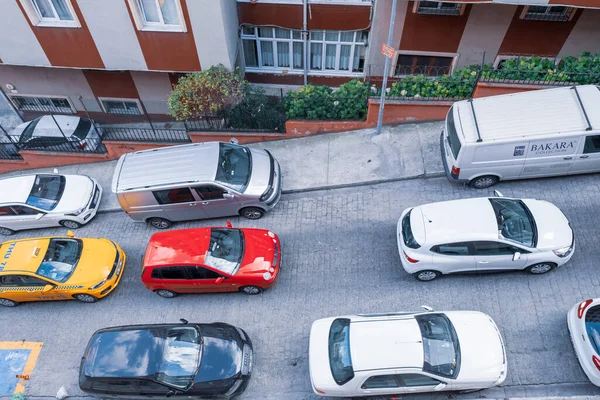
point(53, 10)
point(159, 12)
point(341, 51)
point(272, 48)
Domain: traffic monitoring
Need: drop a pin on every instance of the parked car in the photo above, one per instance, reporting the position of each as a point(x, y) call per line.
point(45, 200)
point(402, 353)
point(196, 181)
point(58, 132)
point(483, 235)
point(583, 321)
point(552, 132)
point(217, 259)
point(180, 361)
point(59, 268)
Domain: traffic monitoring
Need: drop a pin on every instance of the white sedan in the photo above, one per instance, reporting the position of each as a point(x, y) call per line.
point(483, 235)
point(583, 321)
point(46, 200)
point(400, 353)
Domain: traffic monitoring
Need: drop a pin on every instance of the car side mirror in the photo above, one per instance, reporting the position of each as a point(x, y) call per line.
point(39, 216)
point(48, 288)
point(427, 308)
point(441, 386)
point(219, 280)
point(228, 196)
point(516, 256)
point(229, 225)
point(498, 194)
point(70, 234)
point(170, 393)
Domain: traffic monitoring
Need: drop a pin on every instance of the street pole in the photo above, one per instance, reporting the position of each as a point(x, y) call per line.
point(61, 131)
point(386, 72)
point(305, 40)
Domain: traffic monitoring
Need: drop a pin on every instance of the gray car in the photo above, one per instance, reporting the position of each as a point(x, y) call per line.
point(196, 181)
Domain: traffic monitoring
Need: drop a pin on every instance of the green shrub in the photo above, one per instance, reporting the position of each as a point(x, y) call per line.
point(255, 111)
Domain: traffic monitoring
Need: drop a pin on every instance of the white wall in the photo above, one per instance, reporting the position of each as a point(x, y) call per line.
point(585, 35)
point(18, 44)
point(154, 89)
point(379, 33)
point(113, 32)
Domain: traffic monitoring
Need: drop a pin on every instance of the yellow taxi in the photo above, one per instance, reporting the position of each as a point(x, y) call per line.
point(59, 268)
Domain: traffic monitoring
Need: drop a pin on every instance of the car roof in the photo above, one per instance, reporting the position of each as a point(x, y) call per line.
point(46, 126)
point(385, 343)
point(529, 114)
point(166, 166)
point(16, 189)
point(23, 255)
point(456, 221)
point(183, 247)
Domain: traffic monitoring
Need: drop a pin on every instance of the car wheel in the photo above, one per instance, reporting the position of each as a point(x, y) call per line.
point(86, 298)
point(70, 224)
point(484, 182)
point(541, 268)
point(6, 231)
point(165, 293)
point(8, 303)
point(251, 290)
point(160, 223)
point(252, 212)
point(427, 275)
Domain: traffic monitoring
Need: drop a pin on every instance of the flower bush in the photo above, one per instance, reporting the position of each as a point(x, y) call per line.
point(256, 111)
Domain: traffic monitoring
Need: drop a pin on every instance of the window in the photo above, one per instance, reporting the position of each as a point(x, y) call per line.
point(423, 64)
point(43, 104)
point(407, 235)
point(169, 273)
point(592, 144)
point(32, 281)
point(61, 259)
point(439, 8)
point(225, 250)
point(22, 210)
point(338, 50)
point(235, 166)
point(266, 47)
point(202, 273)
point(592, 327)
point(441, 350)
point(121, 106)
point(494, 249)
point(46, 192)
point(453, 139)
point(11, 280)
point(181, 357)
point(83, 128)
point(380, 382)
point(452, 249)
point(515, 221)
point(57, 13)
point(209, 192)
point(418, 380)
point(340, 360)
point(158, 15)
point(174, 196)
point(6, 211)
point(544, 13)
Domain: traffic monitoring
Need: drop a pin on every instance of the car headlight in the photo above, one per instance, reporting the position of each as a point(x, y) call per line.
point(267, 276)
point(97, 285)
point(563, 252)
point(79, 211)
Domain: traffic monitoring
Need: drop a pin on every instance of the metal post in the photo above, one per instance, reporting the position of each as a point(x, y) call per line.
point(10, 139)
point(147, 117)
point(89, 116)
point(386, 72)
point(61, 131)
point(305, 39)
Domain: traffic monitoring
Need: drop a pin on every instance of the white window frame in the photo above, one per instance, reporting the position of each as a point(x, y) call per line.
point(123, 100)
point(460, 8)
point(36, 97)
point(568, 15)
point(273, 40)
point(36, 18)
point(336, 71)
point(399, 53)
point(141, 24)
point(501, 57)
point(299, 2)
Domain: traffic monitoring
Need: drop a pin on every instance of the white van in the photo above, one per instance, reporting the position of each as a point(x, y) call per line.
point(533, 134)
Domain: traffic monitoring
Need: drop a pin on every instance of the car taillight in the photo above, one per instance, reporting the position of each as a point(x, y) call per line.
point(455, 171)
point(596, 362)
point(319, 391)
point(410, 260)
point(582, 307)
point(82, 145)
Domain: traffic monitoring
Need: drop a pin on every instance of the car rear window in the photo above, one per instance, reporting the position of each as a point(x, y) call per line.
point(340, 360)
point(441, 350)
point(592, 327)
point(83, 127)
point(453, 138)
point(28, 131)
point(46, 191)
point(407, 235)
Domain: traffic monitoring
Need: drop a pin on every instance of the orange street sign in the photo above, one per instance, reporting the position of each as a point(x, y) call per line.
point(387, 51)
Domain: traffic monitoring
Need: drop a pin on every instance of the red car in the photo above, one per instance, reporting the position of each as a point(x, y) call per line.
point(217, 259)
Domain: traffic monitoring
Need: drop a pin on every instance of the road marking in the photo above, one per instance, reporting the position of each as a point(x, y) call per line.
point(17, 361)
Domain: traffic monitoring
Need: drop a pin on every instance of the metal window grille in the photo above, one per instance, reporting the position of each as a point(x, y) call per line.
point(543, 13)
point(439, 8)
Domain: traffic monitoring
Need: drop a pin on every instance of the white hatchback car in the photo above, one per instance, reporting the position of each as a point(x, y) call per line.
point(401, 353)
point(583, 321)
point(45, 200)
point(483, 235)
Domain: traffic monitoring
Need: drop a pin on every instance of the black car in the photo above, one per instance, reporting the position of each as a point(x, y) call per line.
point(180, 361)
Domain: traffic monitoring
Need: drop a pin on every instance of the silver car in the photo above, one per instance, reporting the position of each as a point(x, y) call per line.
point(196, 181)
point(46, 200)
point(58, 132)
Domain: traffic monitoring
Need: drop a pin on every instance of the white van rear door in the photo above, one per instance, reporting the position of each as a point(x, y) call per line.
point(588, 159)
point(548, 157)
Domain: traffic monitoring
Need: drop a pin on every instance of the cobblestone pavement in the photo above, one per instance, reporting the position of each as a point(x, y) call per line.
point(340, 257)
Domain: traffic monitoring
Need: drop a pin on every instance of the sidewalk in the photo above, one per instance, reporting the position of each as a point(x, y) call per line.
point(323, 161)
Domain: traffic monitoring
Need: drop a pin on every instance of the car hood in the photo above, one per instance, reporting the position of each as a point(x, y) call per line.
point(95, 263)
point(221, 359)
point(553, 229)
point(261, 173)
point(78, 192)
point(482, 356)
point(318, 356)
point(259, 250)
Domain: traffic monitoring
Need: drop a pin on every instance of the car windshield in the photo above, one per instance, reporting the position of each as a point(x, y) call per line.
point(592, 327)
point(407, 235)
point(515, 221)
point(181, 357)
point(235, 165)
point(340, 360)
point(225, 250)
point(28, 131)
point(46, 191)
point(453, 139)
point(60, 259)
point(441, 350)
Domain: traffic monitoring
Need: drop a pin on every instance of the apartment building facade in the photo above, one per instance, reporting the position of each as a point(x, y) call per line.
point(121, 57)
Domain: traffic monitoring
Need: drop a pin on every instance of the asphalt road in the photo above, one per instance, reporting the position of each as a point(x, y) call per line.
point(339, 257)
